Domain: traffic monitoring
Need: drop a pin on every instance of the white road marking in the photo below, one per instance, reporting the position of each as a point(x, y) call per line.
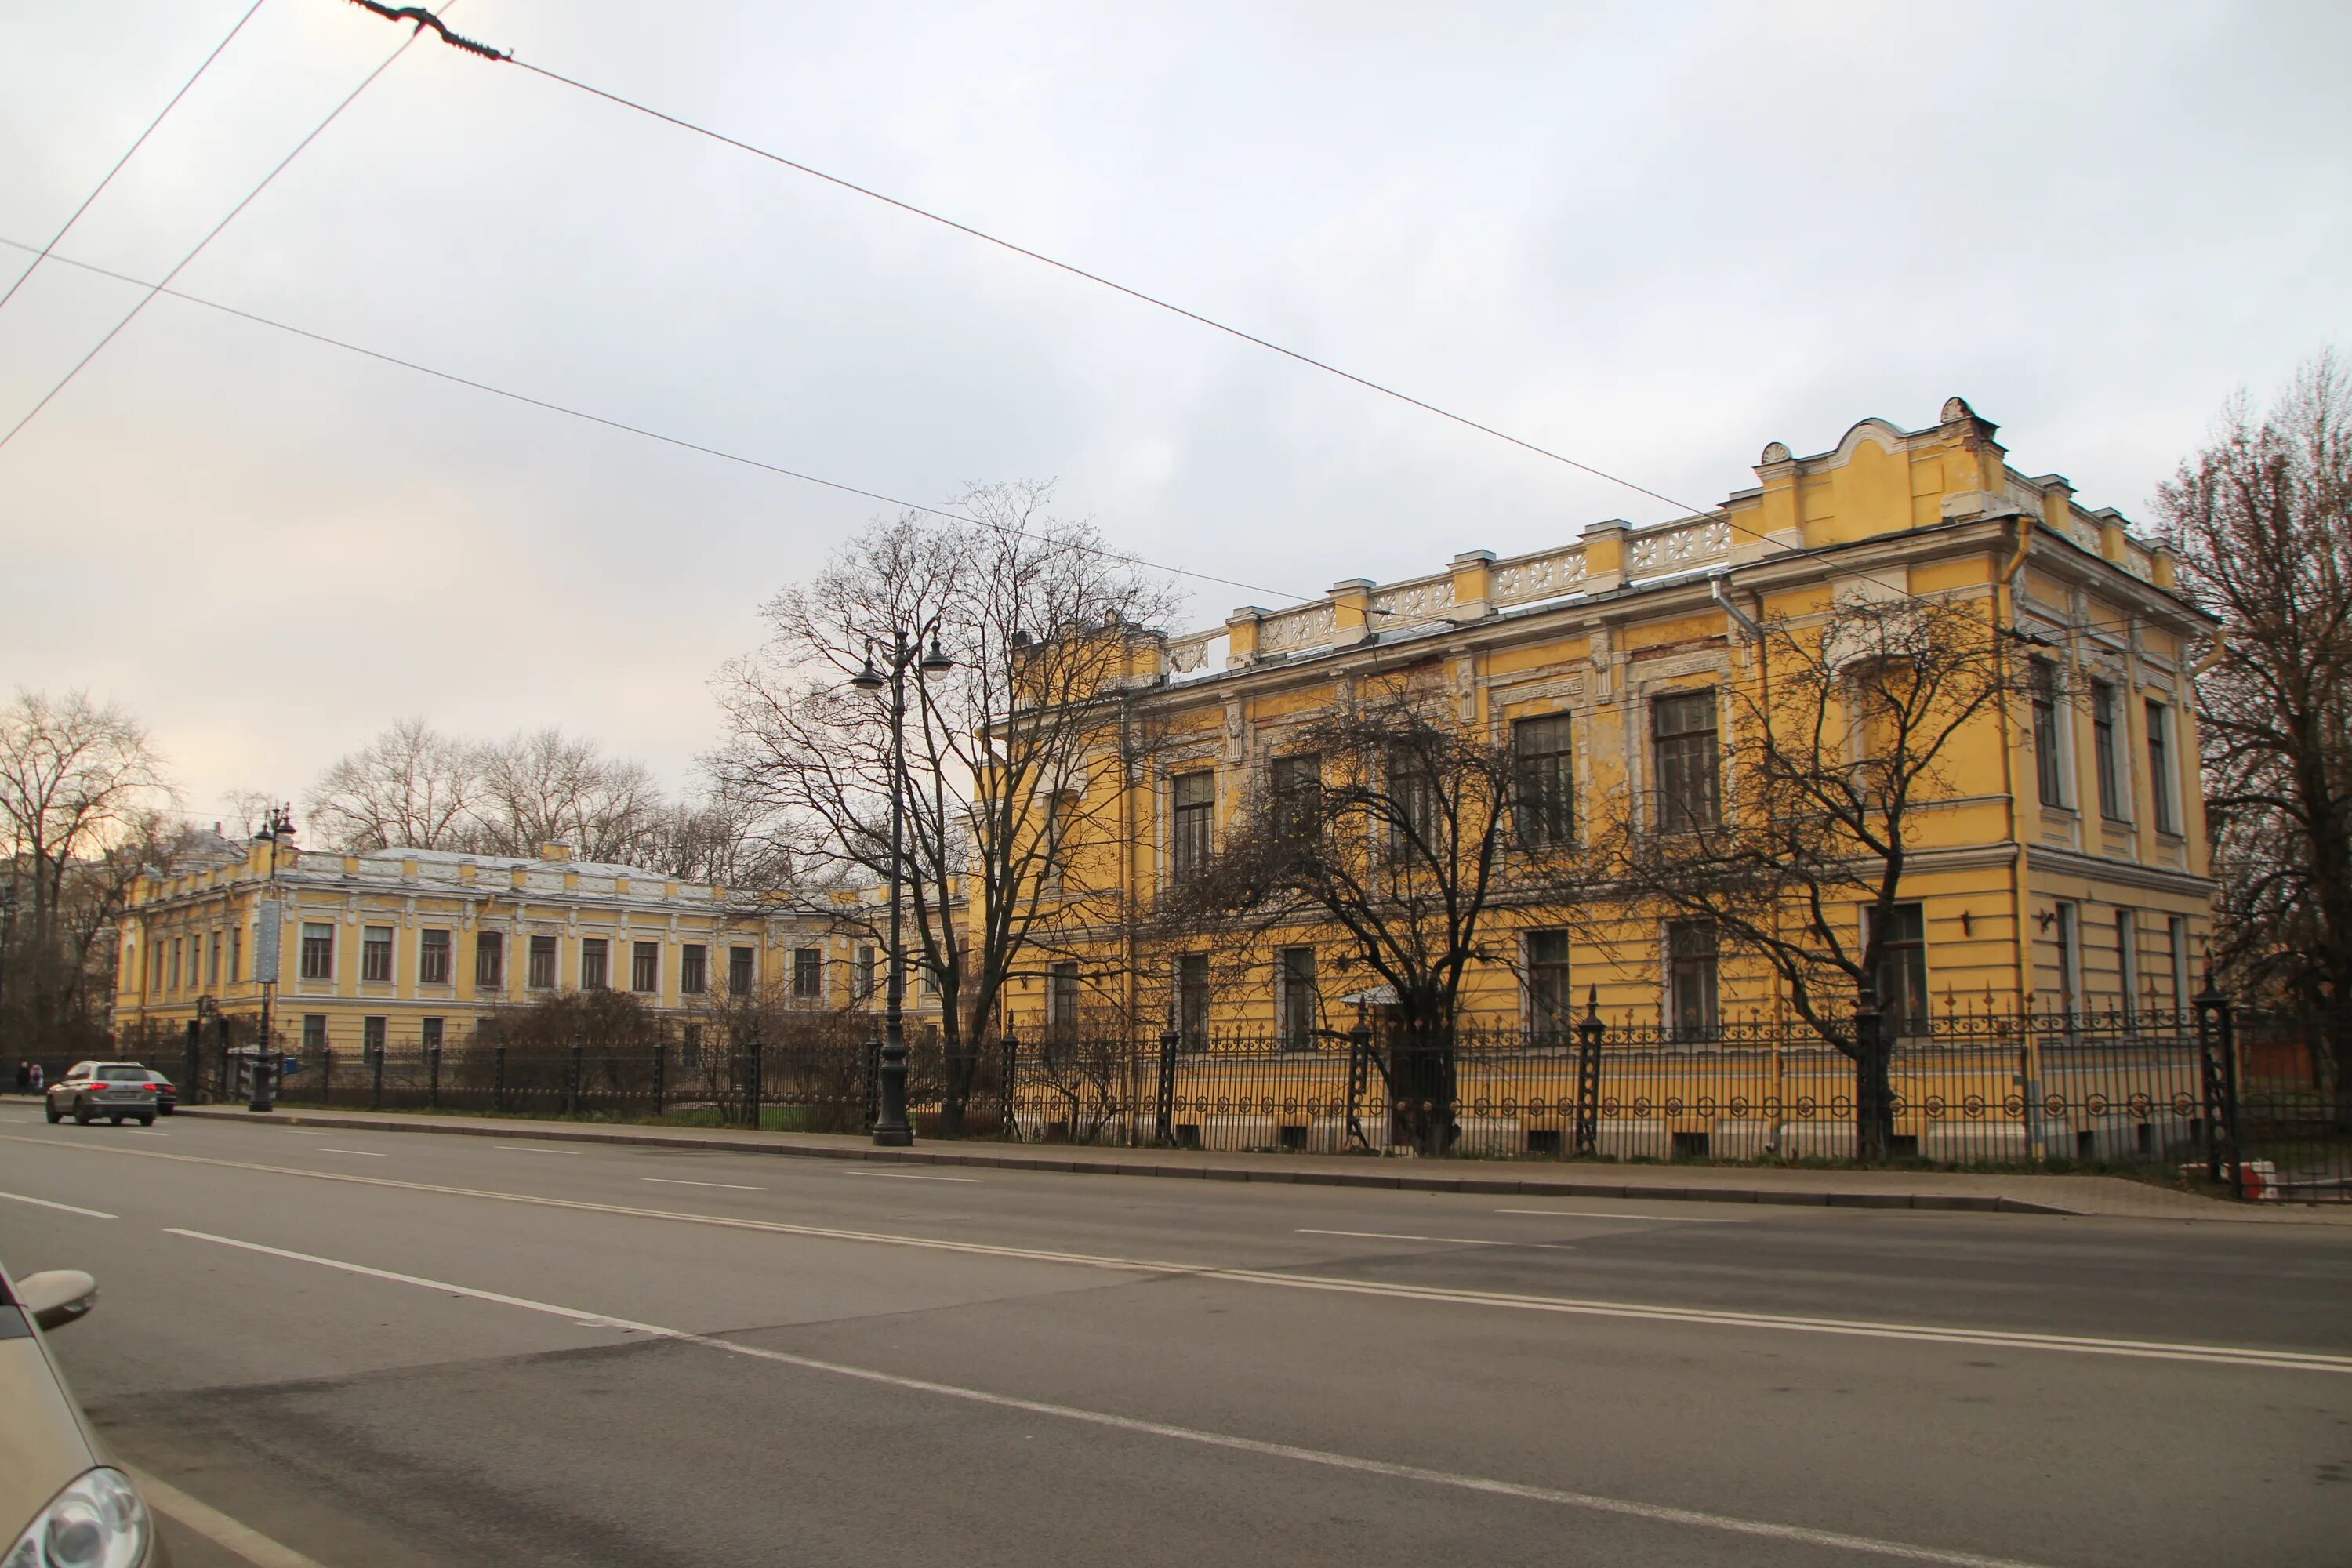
point(532, 1149)
point(1656, 1514)
point(1924, 1333)
point(1612, 1214)
point(1456, 1240)
point(908, 1176)
point(44, 1203)
point(675, 1181)
point(144, 1132)
point(217, 1527)
point(368, 1153)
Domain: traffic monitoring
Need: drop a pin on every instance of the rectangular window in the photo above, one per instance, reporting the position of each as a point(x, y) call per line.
point(694, 969)
point(808, 975)
point(212, 960)
point(2160, 789)
point(2104, 755)
point(1062, 999)
point(593, 973)
point(2049, 764)
point(1193, 797)
point(1295, 1003)
point(1551, 1003)
point(432, 957)
point(179, 945)
point(489, 960)
point(236, 954)
point(1545, 785)
point(862, 972)
point(314, 1032)
point(317, 951)
point(2128, 961)
point(540, 976)
point(2177, 933)
point(1297, 789)
point(1192, 999)
point(1902, 972)
point(1414, 826)
point(644, 967)
point(1691, 1010)
point(1689, 766)
point(373, 1034)
point(690, 1046)
point(375, 954)
point(428, 1034)
point(738, 971)
point(2070, 961)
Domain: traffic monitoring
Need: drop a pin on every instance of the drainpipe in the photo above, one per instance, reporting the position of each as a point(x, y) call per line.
point(1718, 586)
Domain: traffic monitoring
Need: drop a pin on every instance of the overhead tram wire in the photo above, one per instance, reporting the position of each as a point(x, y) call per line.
point(58, 239)
point(424, 18)
point(651, 435)
point(214, 233)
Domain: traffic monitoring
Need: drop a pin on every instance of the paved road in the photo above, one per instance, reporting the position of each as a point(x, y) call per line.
point(414, 1349)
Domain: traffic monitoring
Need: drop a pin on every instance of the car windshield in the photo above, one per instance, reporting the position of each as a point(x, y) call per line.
point(122, 1075)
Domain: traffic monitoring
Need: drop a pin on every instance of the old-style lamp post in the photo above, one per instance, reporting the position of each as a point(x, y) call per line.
point(905, 652)
point(279, 828)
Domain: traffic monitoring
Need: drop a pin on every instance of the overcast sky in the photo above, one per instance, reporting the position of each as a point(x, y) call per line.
point(1653, 237)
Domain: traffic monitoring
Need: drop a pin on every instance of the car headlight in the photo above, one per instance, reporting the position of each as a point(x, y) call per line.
point(97, 1522)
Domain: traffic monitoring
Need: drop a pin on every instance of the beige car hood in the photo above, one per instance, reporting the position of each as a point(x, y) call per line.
point(43, 1443)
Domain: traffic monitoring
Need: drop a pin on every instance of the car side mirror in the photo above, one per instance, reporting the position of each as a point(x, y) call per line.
point(57, 1296)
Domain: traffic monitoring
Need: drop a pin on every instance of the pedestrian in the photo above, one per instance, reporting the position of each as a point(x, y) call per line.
point(24, 1076)
point(37, 1075)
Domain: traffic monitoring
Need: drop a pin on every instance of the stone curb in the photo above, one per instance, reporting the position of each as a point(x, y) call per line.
point(1105, 1164)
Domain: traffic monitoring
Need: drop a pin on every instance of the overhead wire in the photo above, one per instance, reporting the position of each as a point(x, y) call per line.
point(210, 236)
point(58, 239)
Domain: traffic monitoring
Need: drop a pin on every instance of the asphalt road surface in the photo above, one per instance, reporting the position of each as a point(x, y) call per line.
point(361, 1348)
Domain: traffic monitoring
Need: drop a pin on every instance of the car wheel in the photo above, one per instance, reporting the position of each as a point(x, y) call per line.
point(116, 1119)
point(167, 1109)
point(81, 1114)
point(147, 1120)
point(55, 1115)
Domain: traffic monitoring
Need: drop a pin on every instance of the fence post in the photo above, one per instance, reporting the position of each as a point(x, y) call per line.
point(195, 1066)
point(571, 1082)
point(499, 1077)
point(873, 1083)
point(1163, 1118)
point(220, 1032)
point(661, 1065)
point(432, 1078)
point(377, 1104)
point(759, 1078)
point(1360, 1080)
point(2217, 1049)
point(326, 1074)
point(1589, 1030)
point(1006, 1125)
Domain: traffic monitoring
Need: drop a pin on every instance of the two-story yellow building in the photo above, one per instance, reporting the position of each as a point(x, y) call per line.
point(404, 948)
point(2063, 868)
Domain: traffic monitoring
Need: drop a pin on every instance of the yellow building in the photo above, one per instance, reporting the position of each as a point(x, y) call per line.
point(2064, 870)
point(406, 948)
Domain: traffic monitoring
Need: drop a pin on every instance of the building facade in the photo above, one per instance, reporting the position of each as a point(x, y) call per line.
point(2063, 869)
point(404, 948)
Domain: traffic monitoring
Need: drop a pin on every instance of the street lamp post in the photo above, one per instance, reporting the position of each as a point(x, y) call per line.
point(8, 935)
point(279, 827)
point(891, 1129)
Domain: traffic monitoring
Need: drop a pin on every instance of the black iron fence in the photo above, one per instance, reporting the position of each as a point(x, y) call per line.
point(2253, 1100)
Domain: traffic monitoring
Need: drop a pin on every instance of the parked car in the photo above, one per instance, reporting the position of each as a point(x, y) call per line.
point(167, 1100)
point(116, 1090)
point(62, 1500)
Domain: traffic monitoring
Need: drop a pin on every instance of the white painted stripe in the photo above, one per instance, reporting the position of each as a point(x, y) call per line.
point(1456, 1240)
point(1927, 1333)
point(1613, 1214)
point(145, 1132)
point(1655, 1514)
point(366, 1154)
point(675, 1181)
point(908, 1176)
point(217, 1527)
point(44, 1203)
point(532, 1149)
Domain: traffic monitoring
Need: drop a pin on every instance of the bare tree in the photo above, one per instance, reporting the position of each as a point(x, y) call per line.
point(79, 785)
point(1042, 624)
point(1391, 821)
point(2262, 519)
point(551, 788)
point(412, 787)
point(1839, 746)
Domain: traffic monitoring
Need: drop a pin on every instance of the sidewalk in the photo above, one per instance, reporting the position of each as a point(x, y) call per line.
point(2106, 1197)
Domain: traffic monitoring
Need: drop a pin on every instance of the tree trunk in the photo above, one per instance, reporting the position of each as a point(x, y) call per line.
point(962, 1065)
point(1873, 1088)
point(1421, 1086)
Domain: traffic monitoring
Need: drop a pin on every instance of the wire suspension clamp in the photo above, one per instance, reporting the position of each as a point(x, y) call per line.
point(424, 20)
